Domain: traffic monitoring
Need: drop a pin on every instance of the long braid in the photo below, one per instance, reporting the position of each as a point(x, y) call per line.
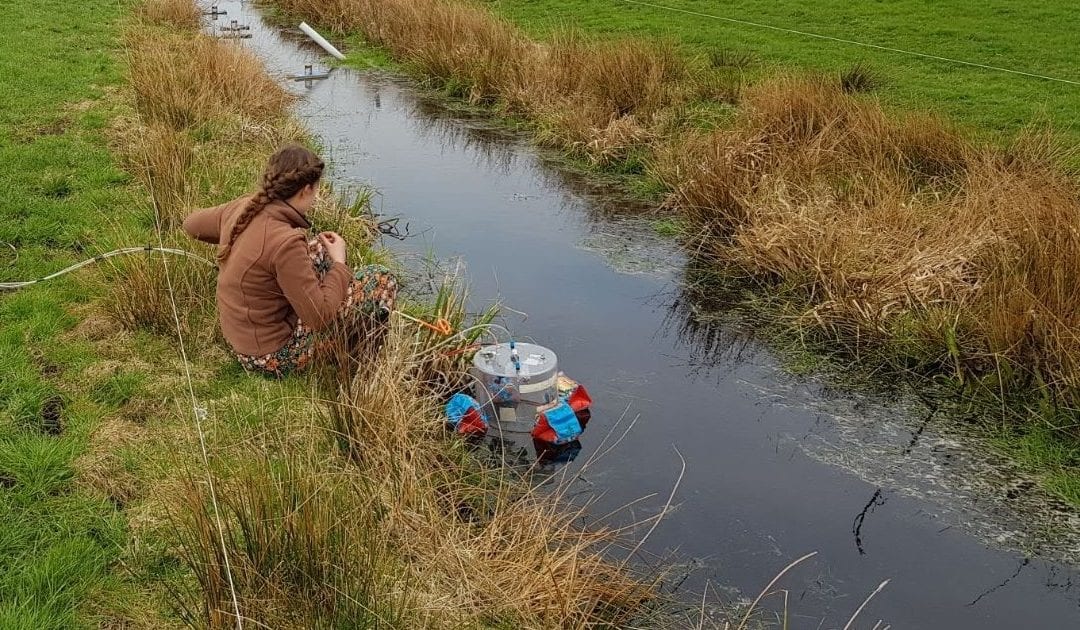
point(290, 169)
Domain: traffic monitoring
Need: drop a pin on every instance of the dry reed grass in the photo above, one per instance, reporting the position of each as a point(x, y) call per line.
point(186, 79)
point(162, 158)
point(893, 229)
point(303, 550)
point(401, 527)
point(183, 16)
point(140, 296)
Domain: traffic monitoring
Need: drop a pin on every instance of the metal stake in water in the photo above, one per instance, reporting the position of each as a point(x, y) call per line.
point(309, 76)
point(214, 12)
point(236, 27)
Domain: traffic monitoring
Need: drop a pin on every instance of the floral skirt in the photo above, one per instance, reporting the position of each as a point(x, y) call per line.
point(371, 295)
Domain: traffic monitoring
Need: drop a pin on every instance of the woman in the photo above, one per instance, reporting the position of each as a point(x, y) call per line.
point(276, 288)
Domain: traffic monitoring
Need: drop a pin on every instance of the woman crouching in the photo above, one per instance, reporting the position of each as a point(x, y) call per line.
point(276, 288)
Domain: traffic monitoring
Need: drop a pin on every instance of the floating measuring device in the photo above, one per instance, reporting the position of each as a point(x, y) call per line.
point(518, 388)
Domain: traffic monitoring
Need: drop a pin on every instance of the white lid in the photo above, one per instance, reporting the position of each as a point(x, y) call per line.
point(496, 360)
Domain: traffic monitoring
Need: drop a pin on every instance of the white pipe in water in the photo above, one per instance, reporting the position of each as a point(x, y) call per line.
point(321, 41)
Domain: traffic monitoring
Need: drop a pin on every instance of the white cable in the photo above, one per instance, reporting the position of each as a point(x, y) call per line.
point(11, 286)
point(852, 42)
point(199, 413)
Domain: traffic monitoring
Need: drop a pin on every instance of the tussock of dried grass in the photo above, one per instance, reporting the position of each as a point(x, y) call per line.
point(139, 293)
point(101, 467)
point(401, 525)
point(177, 14)
point(162, 157)
point(184, 80)
point(893, 228)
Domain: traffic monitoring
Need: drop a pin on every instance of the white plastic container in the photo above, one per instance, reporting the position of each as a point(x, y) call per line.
point(513, 380)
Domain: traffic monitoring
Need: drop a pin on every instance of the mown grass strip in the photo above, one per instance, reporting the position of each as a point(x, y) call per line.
point(58, 542)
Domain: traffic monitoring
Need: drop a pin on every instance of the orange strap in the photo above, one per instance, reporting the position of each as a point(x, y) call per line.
point(461, 350)
point(440, 326)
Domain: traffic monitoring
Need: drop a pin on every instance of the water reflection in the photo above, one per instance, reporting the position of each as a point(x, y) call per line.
point(500, 150)
point(714, 346)
point(883, 430)
point(527, 456)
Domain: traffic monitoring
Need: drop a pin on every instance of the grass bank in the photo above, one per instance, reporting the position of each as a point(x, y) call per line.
point(57, 541)
point(145, 487)
point(1006, 33)
point(898, 240)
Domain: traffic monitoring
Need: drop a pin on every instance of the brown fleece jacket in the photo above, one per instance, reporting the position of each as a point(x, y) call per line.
point(267, 280)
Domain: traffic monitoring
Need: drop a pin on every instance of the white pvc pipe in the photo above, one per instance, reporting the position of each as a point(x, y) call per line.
point(321, 41)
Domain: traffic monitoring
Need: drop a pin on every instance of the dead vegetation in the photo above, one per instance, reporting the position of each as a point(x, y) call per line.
point(895, 230)
point(387, 523)
point(187, 79)
point(182, 16)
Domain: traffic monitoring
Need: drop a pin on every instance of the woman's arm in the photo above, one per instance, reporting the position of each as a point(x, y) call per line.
point(205, 224)
point(315, 301)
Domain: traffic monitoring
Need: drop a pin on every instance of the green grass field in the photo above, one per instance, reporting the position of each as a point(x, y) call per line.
point(1030, 37)
point(60, 186)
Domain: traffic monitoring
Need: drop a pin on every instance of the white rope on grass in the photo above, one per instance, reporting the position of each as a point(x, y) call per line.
point(852, 42)
point(12, 286)
point(199, 412)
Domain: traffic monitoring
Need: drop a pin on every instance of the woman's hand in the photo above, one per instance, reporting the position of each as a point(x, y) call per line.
point(335, 246)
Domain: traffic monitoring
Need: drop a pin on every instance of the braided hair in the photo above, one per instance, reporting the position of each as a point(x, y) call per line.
point(289, 170)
